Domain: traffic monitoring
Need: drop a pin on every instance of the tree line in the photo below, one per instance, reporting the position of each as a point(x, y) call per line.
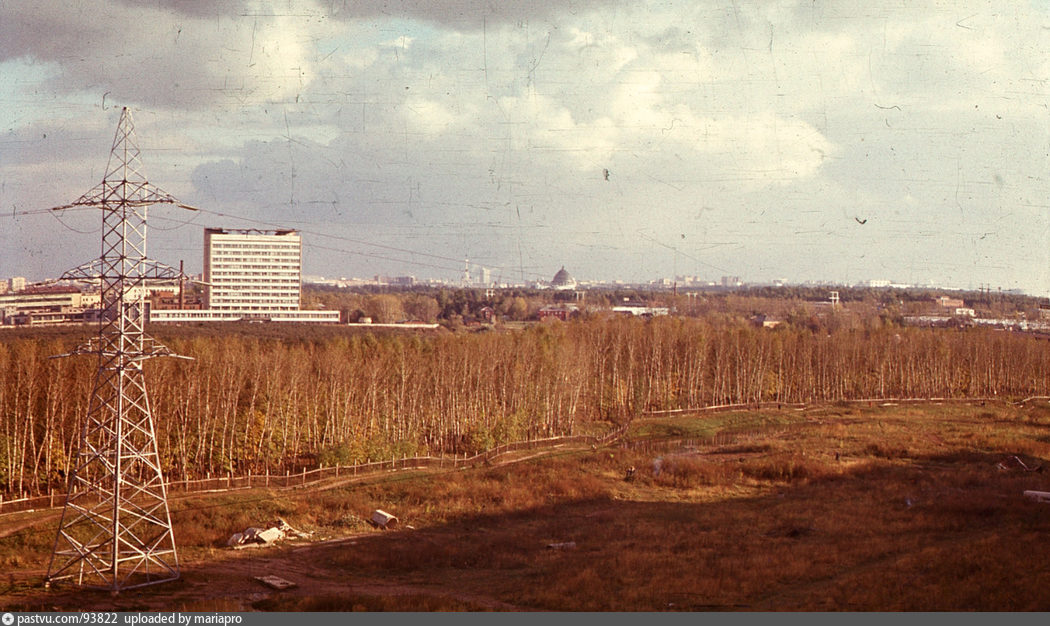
point(275, 402)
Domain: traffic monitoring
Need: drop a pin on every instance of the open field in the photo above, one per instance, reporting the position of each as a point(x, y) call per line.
point(837, 508)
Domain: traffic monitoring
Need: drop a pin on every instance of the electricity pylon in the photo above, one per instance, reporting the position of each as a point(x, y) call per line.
point(116, 528)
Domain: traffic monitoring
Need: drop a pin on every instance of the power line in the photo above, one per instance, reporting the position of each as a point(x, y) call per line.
point(352, 240)
point(14, 213)
point(338, 237)
point(383, 257)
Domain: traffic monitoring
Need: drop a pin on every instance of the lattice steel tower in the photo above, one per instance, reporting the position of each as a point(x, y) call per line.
point(116, 528)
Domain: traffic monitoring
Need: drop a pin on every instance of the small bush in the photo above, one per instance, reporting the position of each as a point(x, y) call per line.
point(782, 467)
point(885, 452)
point(688, 472)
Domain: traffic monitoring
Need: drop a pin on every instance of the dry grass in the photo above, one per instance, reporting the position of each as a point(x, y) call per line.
point(400, 602)
point(895, 508)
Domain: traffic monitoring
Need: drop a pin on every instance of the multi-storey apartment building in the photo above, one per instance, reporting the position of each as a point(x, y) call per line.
point(250, 275)
point(252, 271)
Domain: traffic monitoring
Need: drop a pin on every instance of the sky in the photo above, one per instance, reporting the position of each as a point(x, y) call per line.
point(810, 140)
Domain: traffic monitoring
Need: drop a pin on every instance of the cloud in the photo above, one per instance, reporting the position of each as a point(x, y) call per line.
point(143, 54)
point(470, 14)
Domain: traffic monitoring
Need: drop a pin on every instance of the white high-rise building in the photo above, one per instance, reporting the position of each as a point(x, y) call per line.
point(252, 271)
point(250, 275)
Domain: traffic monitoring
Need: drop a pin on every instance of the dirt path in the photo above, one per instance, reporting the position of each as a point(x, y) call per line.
point(229, 583)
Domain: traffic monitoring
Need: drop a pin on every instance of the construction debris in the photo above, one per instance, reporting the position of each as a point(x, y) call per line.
point(1038, 496)
point(276, 582)
point(384, 520)
point(262, 537)
point(1013, 461)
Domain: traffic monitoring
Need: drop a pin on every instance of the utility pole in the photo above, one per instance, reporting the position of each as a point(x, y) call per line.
point(182, 286)
point(116, 530)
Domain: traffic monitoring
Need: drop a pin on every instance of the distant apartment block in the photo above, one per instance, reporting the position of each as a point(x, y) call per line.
point(47, 305)
point(250, 275)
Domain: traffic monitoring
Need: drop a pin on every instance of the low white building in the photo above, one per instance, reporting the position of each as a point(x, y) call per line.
point(212, 315)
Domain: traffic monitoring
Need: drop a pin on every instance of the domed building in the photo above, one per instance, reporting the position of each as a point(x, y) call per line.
point(563, 280)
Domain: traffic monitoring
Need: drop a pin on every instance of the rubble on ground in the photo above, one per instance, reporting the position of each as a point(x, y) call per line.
point(255, 537)
point(276, 582)
point(1014, 462)
point(1038, 496)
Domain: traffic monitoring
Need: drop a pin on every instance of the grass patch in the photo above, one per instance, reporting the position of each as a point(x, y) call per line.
point(708, 425)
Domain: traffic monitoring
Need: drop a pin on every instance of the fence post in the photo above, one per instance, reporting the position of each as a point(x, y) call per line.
point(267, 475)
point(229, 478)
point(249, 479)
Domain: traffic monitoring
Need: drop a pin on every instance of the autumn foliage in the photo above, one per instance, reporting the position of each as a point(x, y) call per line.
point(281, 400)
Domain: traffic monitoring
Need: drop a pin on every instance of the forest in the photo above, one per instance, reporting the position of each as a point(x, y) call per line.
point(263, 399)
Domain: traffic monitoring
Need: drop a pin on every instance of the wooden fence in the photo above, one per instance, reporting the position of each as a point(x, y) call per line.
point(309, 477)
point(305, 477)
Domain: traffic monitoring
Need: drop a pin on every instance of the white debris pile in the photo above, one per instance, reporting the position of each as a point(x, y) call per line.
point(1038, 496)
point(255, 537)
point(382, 519)
point(276, 582)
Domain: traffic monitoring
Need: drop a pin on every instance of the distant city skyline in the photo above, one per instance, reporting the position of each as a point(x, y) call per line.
point(833, 142)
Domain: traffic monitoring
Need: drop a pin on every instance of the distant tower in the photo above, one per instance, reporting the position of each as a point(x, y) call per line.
point(834, 299)
point(115, 531)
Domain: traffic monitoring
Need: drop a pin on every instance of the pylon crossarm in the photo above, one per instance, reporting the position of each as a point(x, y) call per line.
point(95, 270)
point(160, 352)
point(84, 348)
point(151, 348)
point(137, 204)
